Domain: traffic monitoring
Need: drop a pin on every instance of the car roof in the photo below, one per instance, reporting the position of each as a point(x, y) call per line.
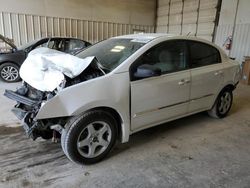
point(150, 39)
point(146, 37)
point(59, 38)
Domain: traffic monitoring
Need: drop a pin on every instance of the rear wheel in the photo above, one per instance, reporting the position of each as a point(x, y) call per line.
point(88, 138)
point(9, 72)
point(222, 104)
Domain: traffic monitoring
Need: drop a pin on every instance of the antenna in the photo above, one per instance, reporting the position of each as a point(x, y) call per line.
point(189, 33)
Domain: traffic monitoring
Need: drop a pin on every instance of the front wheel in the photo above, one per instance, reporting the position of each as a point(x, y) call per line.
point(222, 104)
point(88, 138)
point(9, 72)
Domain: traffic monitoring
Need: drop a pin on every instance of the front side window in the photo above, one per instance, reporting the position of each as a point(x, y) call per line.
point(202, 54)
point(167, 57)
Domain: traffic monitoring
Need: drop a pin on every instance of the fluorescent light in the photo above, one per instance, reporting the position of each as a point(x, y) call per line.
point(117, 49)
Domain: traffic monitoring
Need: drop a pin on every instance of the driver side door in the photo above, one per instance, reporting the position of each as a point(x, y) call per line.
point(155, 100)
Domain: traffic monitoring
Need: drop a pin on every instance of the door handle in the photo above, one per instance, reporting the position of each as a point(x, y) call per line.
point(183, 81)
point(218, 73)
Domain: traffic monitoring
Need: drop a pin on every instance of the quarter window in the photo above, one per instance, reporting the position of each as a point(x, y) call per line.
point(202, 54)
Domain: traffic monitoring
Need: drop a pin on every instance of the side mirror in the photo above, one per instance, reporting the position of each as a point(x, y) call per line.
point(146, 71)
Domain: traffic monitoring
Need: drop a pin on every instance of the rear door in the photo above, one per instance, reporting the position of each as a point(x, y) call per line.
point(157, 99)
point(206, 75)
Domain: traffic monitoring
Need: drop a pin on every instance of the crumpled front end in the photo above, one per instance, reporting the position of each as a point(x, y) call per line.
point(44, 78)
point(29, 101)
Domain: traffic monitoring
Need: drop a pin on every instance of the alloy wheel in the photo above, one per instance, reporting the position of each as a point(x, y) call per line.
point(225, 102)
point(9, 73)
point(94, 139)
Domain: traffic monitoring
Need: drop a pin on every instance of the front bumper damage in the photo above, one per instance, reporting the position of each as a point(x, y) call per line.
point(45, 74)
point(24, 115)
point(21, 99)
point(26, 110)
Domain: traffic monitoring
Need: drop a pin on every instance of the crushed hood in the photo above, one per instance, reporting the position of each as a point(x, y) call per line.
point(8, 41)
point(44, 68)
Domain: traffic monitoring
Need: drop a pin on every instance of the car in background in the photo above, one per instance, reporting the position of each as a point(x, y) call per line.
point(11, 60)
point(132, 83)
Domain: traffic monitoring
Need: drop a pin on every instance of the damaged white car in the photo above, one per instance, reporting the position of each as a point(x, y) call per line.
point(118, 87)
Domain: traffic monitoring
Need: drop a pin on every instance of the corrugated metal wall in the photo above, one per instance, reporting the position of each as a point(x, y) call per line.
point(241, 40)
point(196, 17)
point(23, 28)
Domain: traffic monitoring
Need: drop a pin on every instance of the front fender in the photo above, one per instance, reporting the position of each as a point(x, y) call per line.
point(107, 91)
point(110, 90)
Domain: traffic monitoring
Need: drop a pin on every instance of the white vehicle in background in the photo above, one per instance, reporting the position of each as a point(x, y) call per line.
point(131, 83)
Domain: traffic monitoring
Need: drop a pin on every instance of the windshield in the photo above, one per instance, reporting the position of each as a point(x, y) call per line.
point(112, 52)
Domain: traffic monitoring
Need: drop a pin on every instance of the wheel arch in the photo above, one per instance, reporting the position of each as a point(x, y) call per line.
point(213, 111)
point(7, 61)
point(228, 86)
point(117, 117)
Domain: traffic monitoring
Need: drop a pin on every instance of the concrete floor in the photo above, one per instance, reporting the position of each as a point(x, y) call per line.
point(196, 151)
point(7, 118)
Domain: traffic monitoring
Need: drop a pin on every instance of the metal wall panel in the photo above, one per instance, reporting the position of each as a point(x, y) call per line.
point(205, 28)
point(206, 4)
point(23, 28)
point(190, 17)
point(175, 19)
point(175, 29)
point(189, 29)
point(162, 20)
point(207, 15)
point(163, 3)
point(193, 17)
point(176, 7)
point(191, 5)
point(161, 29)
point(163, 10)
point(240, 46)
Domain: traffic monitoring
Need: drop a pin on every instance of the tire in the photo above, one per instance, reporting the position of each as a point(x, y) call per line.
point(222, 104)
point(88, 138)
point(9, 72)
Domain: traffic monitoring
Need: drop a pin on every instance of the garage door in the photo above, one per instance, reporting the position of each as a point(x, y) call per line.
point(196, 17)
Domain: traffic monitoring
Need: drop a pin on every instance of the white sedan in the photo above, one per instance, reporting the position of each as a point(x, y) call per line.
point(126, 84)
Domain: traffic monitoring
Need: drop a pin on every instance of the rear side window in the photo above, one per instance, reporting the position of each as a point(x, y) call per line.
point(202, 54)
